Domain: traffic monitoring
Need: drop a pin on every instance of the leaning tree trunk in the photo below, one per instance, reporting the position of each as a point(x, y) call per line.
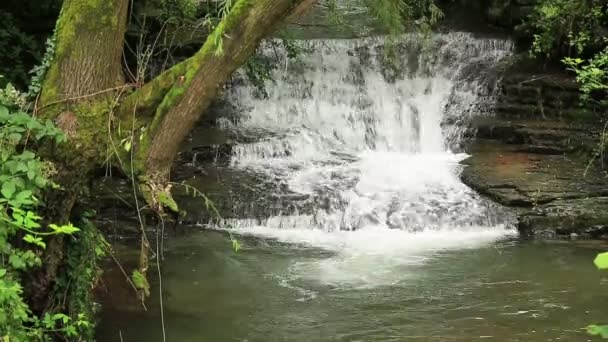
point(192, 85)
point(181, 95)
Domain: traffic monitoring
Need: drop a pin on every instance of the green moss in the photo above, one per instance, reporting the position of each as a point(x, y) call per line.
point(78, 15)
point(73, 287)
point(76, 18)
point(191, 67)
point(182, 75)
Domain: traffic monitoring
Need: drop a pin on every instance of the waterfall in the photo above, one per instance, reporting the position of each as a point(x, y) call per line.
point(369, 133)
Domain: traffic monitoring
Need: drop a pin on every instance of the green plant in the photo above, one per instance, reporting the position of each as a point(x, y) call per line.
point(601, 262)
point(10, 96)
point(39, 71)
point(592, 75)
point(23, 178)
point(566, 28)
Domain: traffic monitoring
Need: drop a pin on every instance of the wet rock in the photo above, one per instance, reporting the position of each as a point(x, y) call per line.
point(539, 136)
point(231, 193)
point(554, 195)
point(586, 217)
point(533, 154)
point(530, 95)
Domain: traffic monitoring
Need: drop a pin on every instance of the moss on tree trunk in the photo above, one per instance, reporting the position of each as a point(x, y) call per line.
point(85, 94)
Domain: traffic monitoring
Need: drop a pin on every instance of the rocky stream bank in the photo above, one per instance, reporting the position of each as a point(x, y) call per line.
point(535, 156)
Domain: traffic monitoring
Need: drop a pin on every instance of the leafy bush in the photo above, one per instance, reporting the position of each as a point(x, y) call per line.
point(568, 28)
point(592, 75)
point(23, 178)
point(575, 32)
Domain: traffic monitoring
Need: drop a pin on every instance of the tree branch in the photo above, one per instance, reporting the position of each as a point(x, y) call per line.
point(196, 83)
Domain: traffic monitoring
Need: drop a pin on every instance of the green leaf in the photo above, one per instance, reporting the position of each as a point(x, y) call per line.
point(48, 321)
point(17, 262)
point(23, 195)
point(3, 112)
point(29, 238)
point(598, 330)
point(236, 245)
point(140, 282)
point(14, 137)
point(22, 167)
point(28, 155)
point(601, 261)
point(64, 229)
point(63, 317)
point(8, 189)
point(70, 330)
point(2, 272)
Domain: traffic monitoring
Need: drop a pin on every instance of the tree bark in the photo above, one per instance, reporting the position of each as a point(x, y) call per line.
point(226, 49)
point(87, 62)
point(88, 50)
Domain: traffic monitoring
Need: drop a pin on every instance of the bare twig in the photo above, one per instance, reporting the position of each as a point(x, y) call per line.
point(80, 97)
point(122, 270)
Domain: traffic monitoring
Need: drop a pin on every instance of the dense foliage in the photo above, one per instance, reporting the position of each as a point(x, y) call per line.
point(568, 28)
point(575, 32)
point(24, 29)
point(24, 234)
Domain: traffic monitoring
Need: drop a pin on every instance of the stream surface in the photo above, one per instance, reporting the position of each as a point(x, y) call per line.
point(271, 291)
point(364, 231)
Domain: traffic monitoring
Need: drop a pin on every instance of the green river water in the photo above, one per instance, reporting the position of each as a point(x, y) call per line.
point(510, 290)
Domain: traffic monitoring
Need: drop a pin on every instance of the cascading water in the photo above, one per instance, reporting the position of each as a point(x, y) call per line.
point(359, 170)
point(369, 143)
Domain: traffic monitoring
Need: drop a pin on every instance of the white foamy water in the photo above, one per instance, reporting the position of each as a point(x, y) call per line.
point(372, 256)
point(371, 145)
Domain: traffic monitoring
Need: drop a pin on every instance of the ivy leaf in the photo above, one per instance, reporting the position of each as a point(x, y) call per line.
point(63, 317)
point(601, 261)
point(48, 321)
point(8, 189)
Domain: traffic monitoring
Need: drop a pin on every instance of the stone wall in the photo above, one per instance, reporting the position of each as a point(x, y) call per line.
point(541, 96)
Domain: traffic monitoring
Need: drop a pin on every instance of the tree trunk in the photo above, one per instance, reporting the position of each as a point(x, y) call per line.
point(88, 51)
point(225, 50)
point(58, 204)
point(87, 62)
